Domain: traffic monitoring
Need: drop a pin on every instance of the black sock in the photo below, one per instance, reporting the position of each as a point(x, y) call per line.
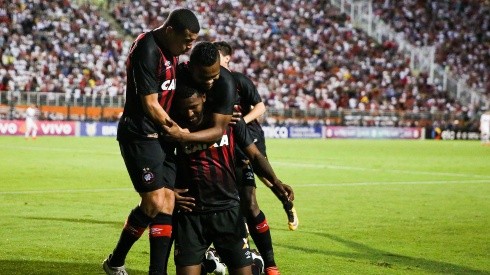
point(288, 205)
point(134, 227)
point(208, 266)
point(260, 233)
point(160, 234)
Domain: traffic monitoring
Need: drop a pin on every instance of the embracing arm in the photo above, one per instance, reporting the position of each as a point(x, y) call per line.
point(154, 110)
point(215, 132)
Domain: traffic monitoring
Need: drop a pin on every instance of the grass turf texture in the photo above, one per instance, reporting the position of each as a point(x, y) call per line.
point(365, 206)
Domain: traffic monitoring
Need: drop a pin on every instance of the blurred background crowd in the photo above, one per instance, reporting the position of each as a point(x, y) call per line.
point(302, 55)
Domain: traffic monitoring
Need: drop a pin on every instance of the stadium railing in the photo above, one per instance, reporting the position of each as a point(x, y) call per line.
point(107, 108)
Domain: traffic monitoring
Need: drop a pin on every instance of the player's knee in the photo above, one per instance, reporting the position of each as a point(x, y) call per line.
point(158, 201)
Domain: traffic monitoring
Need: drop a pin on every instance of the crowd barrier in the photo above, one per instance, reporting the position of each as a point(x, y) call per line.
point(109, 129)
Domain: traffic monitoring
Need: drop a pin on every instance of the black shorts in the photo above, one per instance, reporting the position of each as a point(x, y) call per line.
point(195, 232)
point(150, 166)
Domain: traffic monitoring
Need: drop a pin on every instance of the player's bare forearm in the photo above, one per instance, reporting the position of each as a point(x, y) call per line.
point(154, 110)
point(263, 168)
point(256, 112)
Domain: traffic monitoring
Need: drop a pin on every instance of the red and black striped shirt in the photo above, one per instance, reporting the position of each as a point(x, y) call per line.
point(208, 170)
point(150, 69)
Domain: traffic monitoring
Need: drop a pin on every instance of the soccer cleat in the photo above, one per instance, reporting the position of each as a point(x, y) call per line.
point(257, 261)
point(293, 221)
point(113, 270)
point(213, 256)
point(272, 270)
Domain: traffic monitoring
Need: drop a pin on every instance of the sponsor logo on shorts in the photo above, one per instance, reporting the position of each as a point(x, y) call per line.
point(249, 176)
point(148, 176)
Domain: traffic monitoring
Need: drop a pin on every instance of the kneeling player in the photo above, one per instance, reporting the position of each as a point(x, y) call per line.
point(207, 171)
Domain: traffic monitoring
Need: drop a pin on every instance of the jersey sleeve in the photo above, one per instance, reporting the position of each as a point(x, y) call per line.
point(144, 61)
point(242, 134)
point(223, 94)
point(247, 90)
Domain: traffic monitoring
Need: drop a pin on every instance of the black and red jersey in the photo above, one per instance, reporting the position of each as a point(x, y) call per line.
point(248, 96)
point(208, 170)
point(150, 69)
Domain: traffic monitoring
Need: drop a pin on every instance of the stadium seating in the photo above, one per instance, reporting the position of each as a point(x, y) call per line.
point(302, 55)
point(458, 29)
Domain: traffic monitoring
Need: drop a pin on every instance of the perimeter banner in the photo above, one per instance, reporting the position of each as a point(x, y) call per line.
point(44, 128)
point(374, 132)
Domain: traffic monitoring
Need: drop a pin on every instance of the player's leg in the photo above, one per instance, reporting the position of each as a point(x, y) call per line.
point(229, 238)
point(288, 206)
point(190, 242)
point(144, 161)
point(189, 270)
point(257, 225)
point(28, 130)
point(34, 131)
point(161, 205)
point(256, 220)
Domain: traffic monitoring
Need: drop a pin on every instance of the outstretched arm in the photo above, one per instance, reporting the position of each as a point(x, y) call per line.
point(263, 168)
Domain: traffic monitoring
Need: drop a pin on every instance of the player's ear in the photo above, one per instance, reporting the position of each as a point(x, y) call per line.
point(203, 98)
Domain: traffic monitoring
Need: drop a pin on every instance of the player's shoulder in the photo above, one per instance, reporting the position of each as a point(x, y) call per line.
point(241, 78)
point(225, 79)
point(145, 43)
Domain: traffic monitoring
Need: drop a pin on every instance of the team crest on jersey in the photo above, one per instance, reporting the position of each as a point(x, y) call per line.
point(148, 176)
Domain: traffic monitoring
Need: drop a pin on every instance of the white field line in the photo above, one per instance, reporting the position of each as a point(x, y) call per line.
point(58, 149)
point(351, 168)
point(392, 183)
point(48, 191)
point(350, 184)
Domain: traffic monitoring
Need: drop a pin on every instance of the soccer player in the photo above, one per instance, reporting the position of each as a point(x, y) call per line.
point(30, 122)
point(207, 171)
point(151, 80)
point(251, 107)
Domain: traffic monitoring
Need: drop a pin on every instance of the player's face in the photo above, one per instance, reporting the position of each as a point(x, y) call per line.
point(224, 60)
point(182, 41)
point(191, 109)
point(205, 76)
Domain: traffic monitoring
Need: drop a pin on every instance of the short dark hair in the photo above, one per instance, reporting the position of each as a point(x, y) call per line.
point(204, 54)
point(224, 48)
point(186, 89)
point(183, 19)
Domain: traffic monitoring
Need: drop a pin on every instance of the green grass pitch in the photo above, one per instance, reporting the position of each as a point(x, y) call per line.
point(365, 206)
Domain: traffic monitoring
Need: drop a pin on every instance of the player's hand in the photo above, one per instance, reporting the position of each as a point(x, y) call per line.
point(182, 202)
point(237, 115)
point(289, 190)
point(280, 191)
point(174, 132)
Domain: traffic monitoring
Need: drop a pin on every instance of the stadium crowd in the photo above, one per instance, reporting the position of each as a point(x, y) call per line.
point(59, 47)
point(300, 54)
point(458, 28)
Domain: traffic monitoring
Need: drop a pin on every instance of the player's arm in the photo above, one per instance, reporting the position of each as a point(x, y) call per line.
point(215, 132)
point(256, 112)
point(259, 162)
point(250, 94)
point(144, 63)
point(154, 110)
point(263, 168)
